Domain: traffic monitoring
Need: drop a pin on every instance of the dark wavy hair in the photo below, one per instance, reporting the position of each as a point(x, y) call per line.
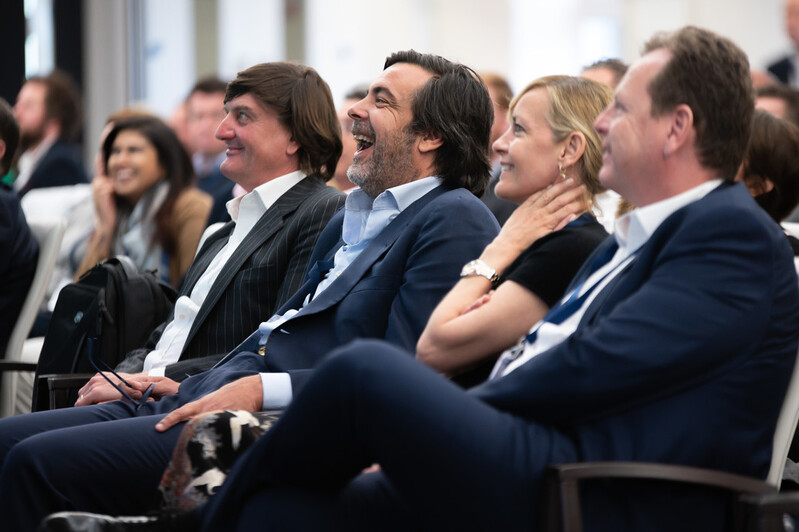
point(773, 155)
point(454, 103)
point(304, 106)
point(172, 157)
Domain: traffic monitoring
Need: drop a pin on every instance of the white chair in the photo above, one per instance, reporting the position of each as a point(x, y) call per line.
point(48, 233)
point(786, 427)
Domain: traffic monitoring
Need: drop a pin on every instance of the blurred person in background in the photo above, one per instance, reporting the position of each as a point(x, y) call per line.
point(501, 94)
point(205, 110)
point(145, 206)
point(48, 111)
point(786, 68)
point(606, 71)
point(608, 205)
point(340, 180)
point(779, 100)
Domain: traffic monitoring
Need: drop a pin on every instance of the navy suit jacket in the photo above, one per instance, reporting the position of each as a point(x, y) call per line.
point(60, 166)
point(388, 292)
point(684, 357)
point(264, 271)
point(19, 252)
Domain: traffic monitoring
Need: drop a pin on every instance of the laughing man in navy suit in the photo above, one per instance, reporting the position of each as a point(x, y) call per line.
point(676, 347)
point(379, 269)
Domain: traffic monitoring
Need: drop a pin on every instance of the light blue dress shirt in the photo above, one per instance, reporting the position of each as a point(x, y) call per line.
point(364, 219)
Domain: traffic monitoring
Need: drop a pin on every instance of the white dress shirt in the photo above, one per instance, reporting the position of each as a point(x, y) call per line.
point(245, 210)
point(364, 219)
point(632, 231)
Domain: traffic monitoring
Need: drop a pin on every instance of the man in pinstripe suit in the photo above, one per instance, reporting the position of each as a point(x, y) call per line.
point(378, 270)
point(250, 267)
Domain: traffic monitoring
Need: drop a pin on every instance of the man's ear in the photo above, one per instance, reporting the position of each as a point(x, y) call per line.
point(572, 150)
point(680, 129)
point(292, 148)
point(430, 141)
point(2, 148)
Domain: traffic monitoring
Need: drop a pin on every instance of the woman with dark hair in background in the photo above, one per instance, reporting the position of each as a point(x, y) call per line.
point(771, 167)
point(146, 207)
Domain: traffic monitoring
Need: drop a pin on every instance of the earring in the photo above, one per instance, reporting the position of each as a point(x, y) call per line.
point(561, 172)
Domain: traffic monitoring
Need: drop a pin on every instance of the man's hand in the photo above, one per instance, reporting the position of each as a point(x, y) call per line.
point(98, 390)
point(243, 394)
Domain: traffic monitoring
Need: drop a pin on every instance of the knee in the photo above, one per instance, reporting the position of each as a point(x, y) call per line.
point(20, 461)
point(364, 355)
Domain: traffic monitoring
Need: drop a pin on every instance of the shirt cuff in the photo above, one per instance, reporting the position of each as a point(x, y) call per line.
point(277, 390)
point(157, 372)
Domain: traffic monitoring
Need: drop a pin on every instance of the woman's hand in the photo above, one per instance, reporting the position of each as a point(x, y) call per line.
point(479, 302)
point(104, 204)
point(542, 213)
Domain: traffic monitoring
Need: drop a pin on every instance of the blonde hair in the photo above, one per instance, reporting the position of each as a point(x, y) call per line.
point(574, 105)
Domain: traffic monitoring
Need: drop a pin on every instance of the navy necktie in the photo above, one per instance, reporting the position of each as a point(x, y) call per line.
point(563, 309)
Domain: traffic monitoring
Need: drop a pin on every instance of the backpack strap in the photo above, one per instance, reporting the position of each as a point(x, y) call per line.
point(126, 262)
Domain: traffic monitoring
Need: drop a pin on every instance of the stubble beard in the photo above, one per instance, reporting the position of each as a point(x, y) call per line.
point(30, 138)
point(390, 165)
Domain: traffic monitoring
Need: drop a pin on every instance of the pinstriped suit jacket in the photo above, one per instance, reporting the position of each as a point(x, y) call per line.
point(264, 271)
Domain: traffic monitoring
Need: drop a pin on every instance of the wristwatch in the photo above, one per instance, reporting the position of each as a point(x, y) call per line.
point(478, 267)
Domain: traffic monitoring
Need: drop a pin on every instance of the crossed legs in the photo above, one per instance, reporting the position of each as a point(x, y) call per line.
point(448, 460)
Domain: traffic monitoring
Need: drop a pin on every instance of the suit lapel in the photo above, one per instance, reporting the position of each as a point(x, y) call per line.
point(355, 271)
point(266, 227)
point(210, 249)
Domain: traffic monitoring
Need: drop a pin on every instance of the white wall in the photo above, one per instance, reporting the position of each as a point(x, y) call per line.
point(347, 41)
point(250, 32)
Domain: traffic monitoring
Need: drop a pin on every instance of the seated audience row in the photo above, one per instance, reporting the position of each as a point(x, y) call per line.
point(666, 321)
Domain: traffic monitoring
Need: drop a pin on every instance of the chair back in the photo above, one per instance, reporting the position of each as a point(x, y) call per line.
point(48, 233)
point(786, 426)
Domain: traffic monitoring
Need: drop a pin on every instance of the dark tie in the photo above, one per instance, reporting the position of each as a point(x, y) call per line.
point(563, 309)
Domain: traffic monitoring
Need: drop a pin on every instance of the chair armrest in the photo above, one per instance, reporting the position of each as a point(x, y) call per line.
point(15, 365)
point(563, 510)
point(54, 389)
point(768, 512)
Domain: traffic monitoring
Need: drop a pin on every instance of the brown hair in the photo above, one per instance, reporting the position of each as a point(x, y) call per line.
point(304, 106)
point(501, 88)
point(785, 93)
point(709, 74)
point(773, 155)
point(616, 66)
point(208, 85)
point(62, 102)
point(574, 104)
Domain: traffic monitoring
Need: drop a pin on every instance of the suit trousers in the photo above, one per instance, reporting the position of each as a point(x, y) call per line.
point(103, 458)
point(449, 461)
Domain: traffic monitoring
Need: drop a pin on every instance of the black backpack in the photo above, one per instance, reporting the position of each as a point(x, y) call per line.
point(113, 302)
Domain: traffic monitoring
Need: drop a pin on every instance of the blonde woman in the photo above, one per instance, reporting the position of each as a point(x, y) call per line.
point(550, 158)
